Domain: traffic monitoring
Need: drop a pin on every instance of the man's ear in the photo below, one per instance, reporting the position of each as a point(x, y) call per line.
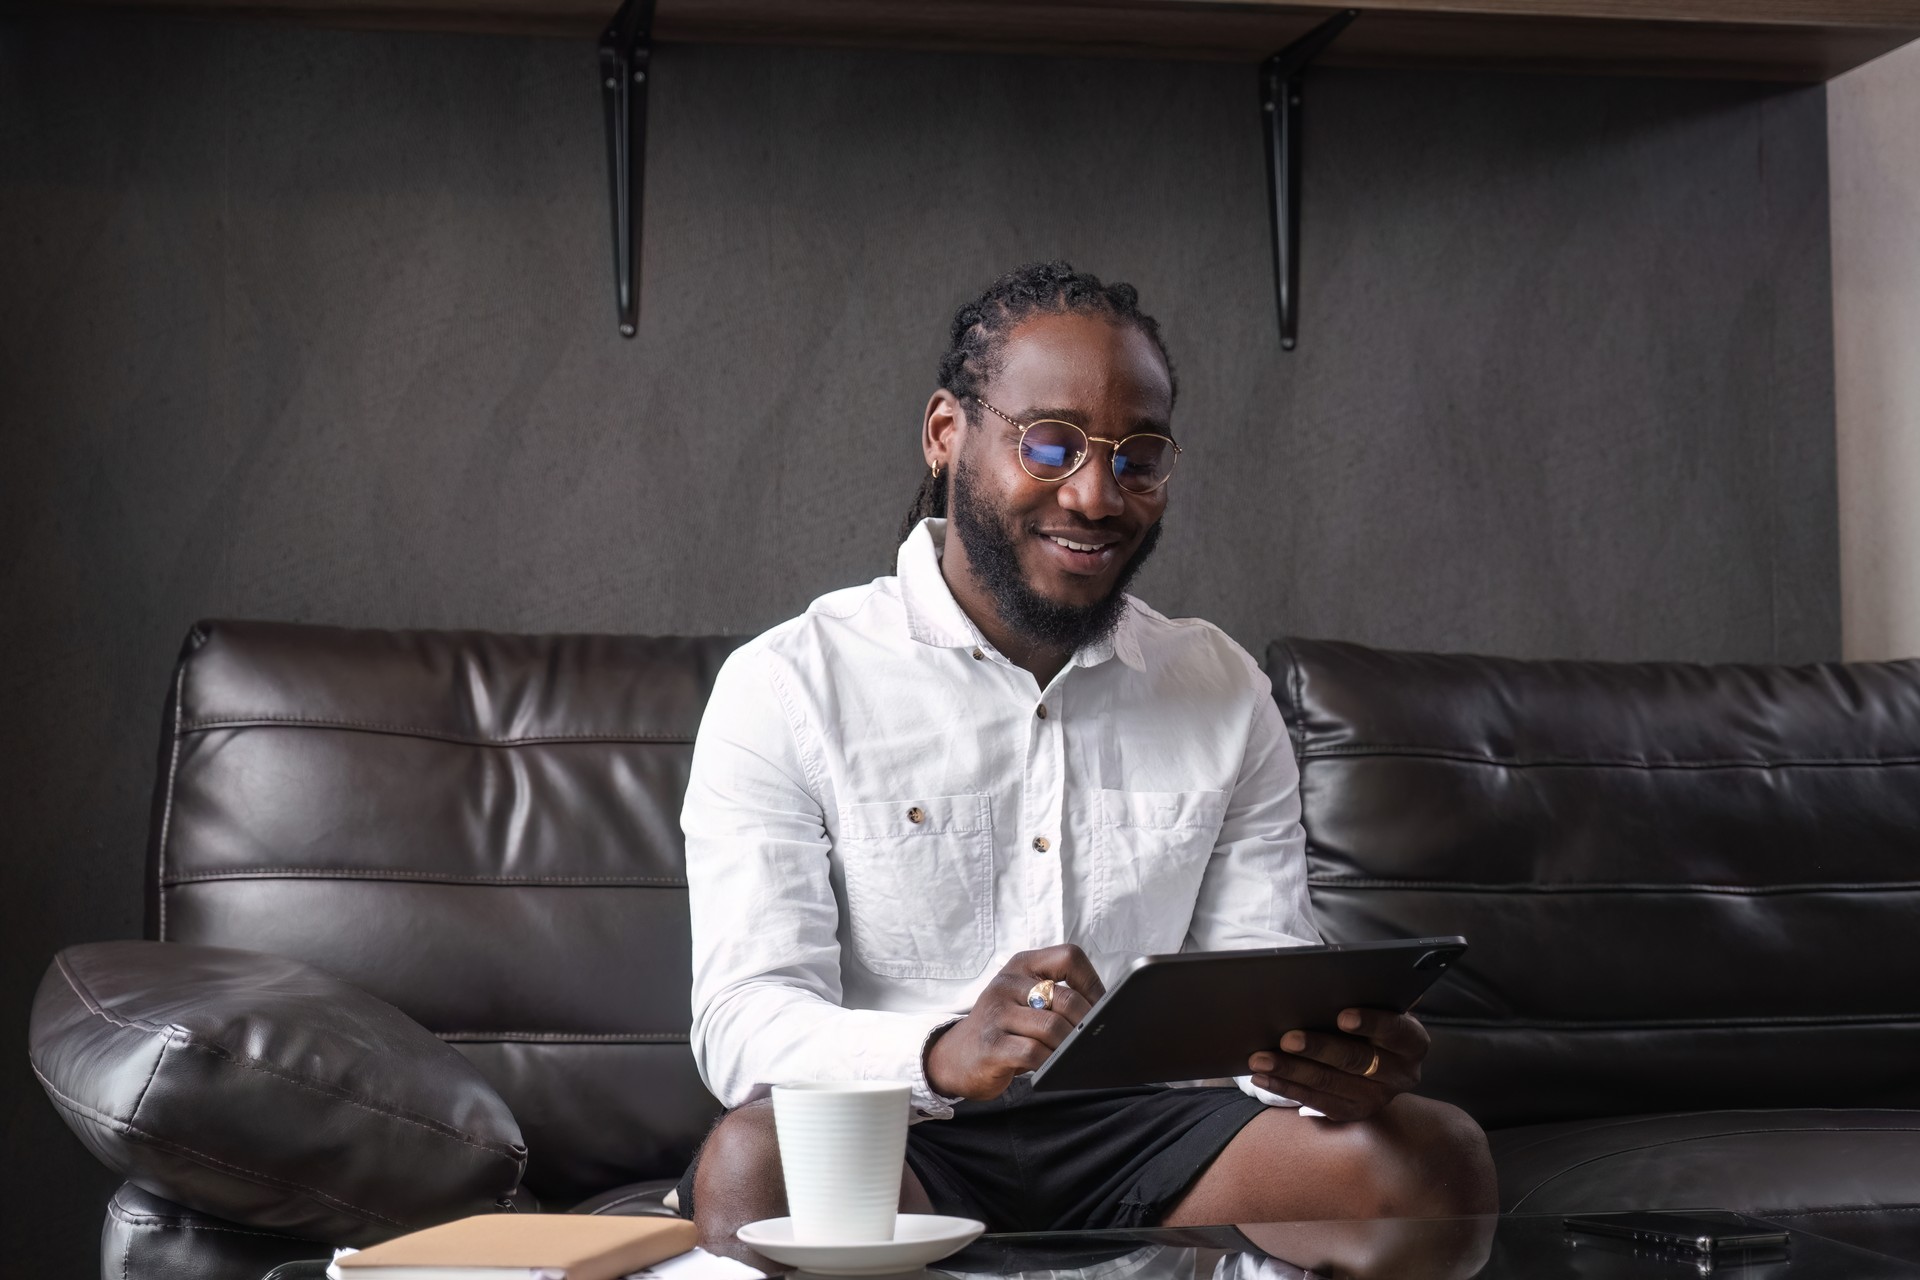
point(941, 430)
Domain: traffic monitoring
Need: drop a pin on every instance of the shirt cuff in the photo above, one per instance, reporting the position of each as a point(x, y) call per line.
point(928, 1105)
point(1252, 1090)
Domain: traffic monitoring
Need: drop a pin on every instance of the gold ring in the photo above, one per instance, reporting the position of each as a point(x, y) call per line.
point(1371, 1067)
point(1040, 994)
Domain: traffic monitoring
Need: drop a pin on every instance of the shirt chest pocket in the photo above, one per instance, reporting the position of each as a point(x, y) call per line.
point(919, 875)
point(1151, 850)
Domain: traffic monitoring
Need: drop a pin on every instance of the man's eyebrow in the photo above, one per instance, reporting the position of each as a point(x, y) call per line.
point(1153, 426)
point(1075, 416)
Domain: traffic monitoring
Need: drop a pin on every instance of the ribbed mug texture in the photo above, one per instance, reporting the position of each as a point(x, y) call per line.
point(841, 1148)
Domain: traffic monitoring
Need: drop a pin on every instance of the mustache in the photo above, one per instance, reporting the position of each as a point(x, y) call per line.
point(1075, 524)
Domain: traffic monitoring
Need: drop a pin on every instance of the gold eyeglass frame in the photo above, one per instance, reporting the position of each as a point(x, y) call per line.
point(1021, 453)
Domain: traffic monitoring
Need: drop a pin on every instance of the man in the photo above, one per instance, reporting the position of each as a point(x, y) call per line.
point(925, 798)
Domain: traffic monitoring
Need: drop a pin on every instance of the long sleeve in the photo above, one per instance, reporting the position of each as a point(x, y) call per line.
point(1254, 893)
point(765, 920)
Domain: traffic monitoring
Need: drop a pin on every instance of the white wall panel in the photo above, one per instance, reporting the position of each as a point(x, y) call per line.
point(1873, 134)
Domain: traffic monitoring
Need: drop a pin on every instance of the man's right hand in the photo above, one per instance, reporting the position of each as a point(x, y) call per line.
point(978, 1056)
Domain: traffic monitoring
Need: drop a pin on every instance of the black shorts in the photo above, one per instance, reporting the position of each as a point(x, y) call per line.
point(1069, 1160)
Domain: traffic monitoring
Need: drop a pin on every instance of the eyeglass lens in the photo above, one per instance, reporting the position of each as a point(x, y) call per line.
point(1050, 450)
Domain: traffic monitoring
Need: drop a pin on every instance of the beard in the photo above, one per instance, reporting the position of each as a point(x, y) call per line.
point(989, 534)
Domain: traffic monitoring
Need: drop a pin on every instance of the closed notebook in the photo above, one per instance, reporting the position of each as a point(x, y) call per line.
point(513, 1246)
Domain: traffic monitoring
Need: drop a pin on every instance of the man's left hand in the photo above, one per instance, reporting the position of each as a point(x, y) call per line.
point(1328, 1070)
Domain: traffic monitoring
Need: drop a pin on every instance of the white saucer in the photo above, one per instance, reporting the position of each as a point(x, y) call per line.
point(918, 1238)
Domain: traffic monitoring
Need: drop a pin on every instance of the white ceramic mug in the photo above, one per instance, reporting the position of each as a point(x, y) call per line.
point(842, 1146)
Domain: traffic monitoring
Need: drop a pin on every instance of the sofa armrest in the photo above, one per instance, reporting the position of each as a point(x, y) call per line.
point(156, 1239)
point(267, 1093)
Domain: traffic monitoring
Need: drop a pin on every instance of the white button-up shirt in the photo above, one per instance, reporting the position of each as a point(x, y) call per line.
point(883, 809)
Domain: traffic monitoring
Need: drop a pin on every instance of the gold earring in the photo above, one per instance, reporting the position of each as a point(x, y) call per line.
point(935, 468)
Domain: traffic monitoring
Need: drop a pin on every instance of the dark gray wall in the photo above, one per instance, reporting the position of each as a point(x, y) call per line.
point(318, 325)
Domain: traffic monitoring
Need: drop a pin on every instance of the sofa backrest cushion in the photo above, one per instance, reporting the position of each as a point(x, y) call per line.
point(482, 830)
point(1683, 886)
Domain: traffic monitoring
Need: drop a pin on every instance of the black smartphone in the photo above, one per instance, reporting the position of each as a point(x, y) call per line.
point(1683, 1233)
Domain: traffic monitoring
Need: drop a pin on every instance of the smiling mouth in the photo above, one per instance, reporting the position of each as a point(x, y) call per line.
point(1077, 557)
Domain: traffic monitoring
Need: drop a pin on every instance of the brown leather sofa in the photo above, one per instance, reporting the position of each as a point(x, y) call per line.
point(1690, 891)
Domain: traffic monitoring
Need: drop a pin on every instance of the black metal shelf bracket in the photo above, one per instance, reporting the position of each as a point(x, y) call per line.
point(1280, 94)
point(626, 52)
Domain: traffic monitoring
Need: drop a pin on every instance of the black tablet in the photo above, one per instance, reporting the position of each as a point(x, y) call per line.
point(1201, 1015)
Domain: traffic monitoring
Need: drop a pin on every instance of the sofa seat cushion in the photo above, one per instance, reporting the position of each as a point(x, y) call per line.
point(147, 1238)
point(1850, 1173)
point(636, 1200)
point(267, 1093)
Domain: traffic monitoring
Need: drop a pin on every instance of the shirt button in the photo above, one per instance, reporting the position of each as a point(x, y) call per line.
point(978, 655)
point(916, 814)
point(1042, 711)
point(1040, 843)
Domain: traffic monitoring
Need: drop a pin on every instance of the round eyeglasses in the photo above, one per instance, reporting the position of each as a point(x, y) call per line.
point(1052, 450)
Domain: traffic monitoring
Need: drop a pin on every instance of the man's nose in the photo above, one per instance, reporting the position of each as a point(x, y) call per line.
point(1092, 491)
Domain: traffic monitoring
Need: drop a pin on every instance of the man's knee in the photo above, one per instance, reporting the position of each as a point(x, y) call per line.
point(744, 1145)
point(1437, 1163)
point(739, 1165)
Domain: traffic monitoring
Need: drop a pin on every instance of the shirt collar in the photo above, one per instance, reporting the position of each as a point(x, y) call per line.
point(935, 618)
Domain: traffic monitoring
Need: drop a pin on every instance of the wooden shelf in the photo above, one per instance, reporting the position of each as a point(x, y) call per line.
point(1780, 40)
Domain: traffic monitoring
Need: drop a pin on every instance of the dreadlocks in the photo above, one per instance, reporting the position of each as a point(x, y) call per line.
point(979, 335)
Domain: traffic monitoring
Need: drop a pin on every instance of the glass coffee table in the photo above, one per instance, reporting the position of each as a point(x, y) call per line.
point(1494, 1247)
point(1504, 1247)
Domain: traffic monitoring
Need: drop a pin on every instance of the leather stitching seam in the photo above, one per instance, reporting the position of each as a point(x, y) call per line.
point(615, 1204)
point(564, 1037)
point(94, 1007)
point(436, 877)
point(1702, 1137)
point(181, 1224)
point(1743, 890)
point(1416, 751)
point(1297, 679)
point(1671, 1024)
point(1592, 1127)
point(339, 1094)
point(158, 1058)
point(1838, 1211)
point(128, 1130)
point(166, 811)
point(265, 720)
point(175, 1224)
point(1620, 1122)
